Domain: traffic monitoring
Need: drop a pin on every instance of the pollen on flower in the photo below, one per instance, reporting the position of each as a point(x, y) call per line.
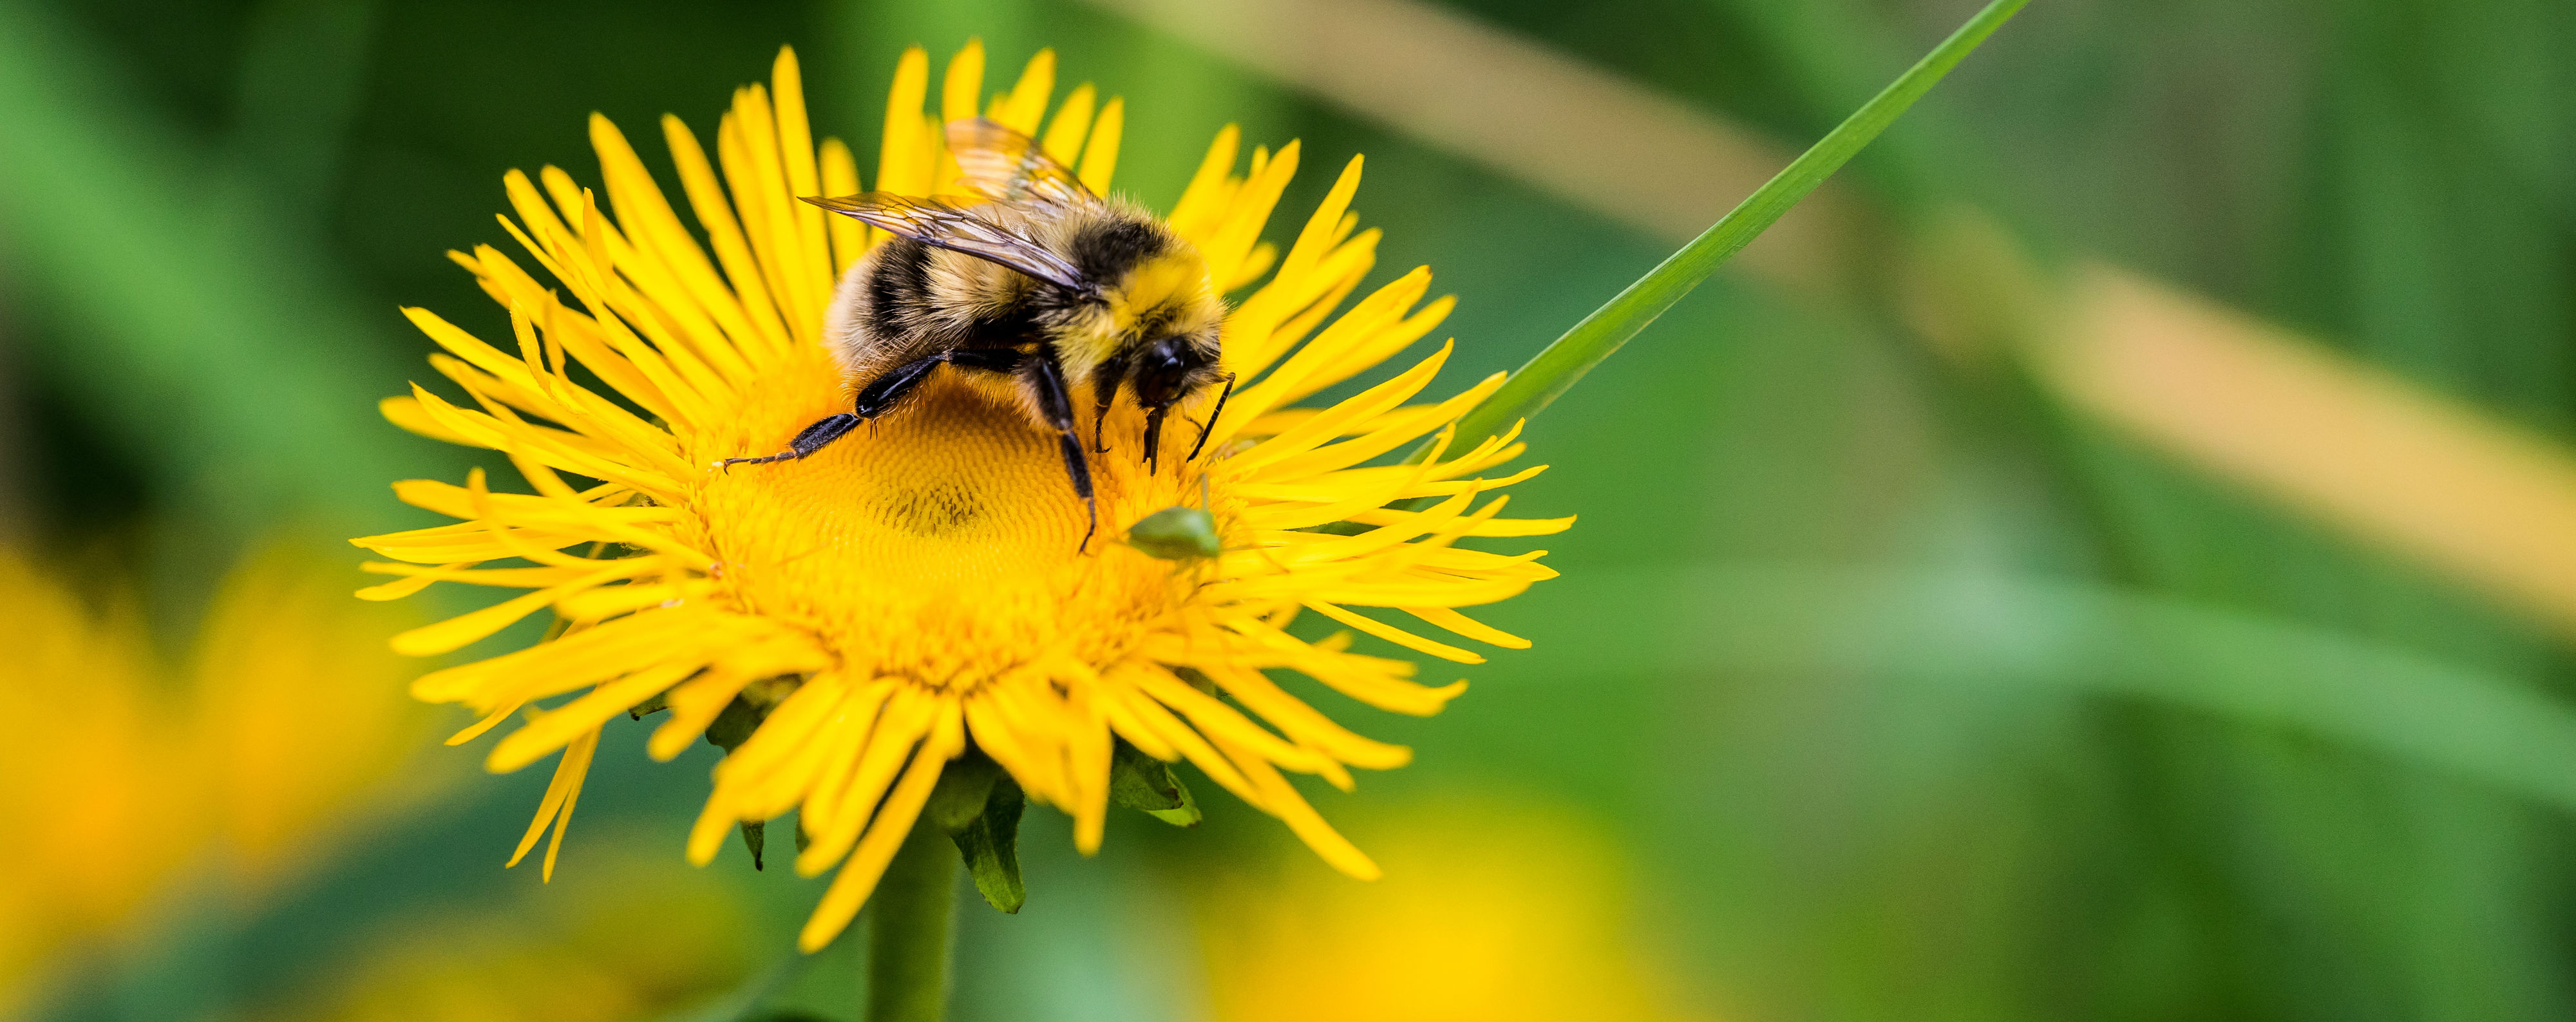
point(922, 587)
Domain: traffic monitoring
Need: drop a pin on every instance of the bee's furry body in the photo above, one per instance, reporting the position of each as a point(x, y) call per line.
point(906, 300)
point(1045, 289)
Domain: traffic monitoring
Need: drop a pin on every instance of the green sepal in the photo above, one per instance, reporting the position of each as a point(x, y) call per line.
point(1187, 815)
point(661, 701)
point(735, 725)
point(731, 728)
point(990, 844)
point(755, 834)
point(964, 786)
point(1138, 781)
point(1196, 679)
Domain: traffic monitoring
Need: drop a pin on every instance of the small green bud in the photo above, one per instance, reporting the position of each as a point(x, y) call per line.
point(1176, 534)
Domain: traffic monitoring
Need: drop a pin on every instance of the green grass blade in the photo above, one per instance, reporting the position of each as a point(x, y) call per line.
point(1607, 328)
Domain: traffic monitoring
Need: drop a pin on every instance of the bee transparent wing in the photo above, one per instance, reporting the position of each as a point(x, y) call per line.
point(956, 228)
point(1006, 166)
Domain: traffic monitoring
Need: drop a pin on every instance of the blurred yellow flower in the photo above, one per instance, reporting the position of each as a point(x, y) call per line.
point(629, 941)
point(821, 593)
point(87, 853)
point(122, 778)
point(291, 711)
point(1495, 912)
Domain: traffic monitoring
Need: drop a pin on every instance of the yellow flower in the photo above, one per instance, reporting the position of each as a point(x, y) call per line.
point(90, 775)
point(1499, 911)
point(920, 586)
point(119, 777)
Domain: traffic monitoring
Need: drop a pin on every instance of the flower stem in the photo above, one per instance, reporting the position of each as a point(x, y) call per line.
point(912, 923)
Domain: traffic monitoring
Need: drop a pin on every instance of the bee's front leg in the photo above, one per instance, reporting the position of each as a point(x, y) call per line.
point(1046, 379)
point(813, 438)
point(880, 396)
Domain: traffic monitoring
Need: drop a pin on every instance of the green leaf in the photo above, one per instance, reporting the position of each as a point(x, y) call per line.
point(990, 844)
point(1139, 781)
point(1602, 333)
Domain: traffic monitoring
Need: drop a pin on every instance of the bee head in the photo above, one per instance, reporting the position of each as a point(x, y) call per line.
point(1166, 316)
point(1155, 322)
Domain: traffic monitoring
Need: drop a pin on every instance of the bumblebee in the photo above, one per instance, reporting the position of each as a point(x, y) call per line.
point(1042, 283)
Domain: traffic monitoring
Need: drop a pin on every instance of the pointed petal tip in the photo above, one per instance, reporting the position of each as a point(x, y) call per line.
point(505, 759)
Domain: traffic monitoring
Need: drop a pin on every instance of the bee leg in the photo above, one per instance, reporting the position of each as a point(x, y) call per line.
point(813, 438)
point(999, 360)
point(1081, 473)
point(1046, 379)
point(881, 395)
point(1211, 422)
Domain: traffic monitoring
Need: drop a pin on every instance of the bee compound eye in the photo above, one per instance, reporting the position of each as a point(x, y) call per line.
point(1158, 376)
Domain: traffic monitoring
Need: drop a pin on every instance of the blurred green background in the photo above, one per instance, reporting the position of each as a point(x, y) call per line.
point(1880, 682)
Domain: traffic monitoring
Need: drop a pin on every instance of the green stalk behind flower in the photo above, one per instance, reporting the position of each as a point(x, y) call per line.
point(1600, 334)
